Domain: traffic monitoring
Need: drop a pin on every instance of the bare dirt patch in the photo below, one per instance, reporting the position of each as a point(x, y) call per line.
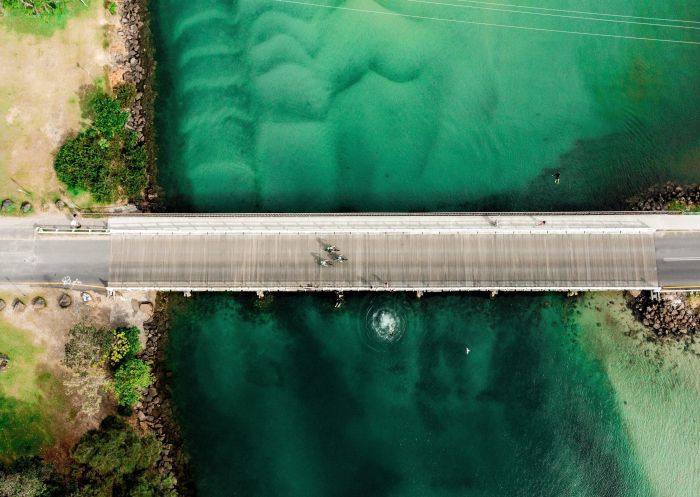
point(40, 81)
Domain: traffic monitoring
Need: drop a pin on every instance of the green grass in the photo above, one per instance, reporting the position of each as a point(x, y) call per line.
point(679, 206)
point(21, 22)
point(29, 397)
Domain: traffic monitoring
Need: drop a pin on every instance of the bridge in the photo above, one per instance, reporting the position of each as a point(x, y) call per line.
point(385, 252)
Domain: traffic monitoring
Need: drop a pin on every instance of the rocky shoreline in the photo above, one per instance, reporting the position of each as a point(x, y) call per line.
point(667, 196)
point(134, 62)
point(668, 317)
point(154, 411)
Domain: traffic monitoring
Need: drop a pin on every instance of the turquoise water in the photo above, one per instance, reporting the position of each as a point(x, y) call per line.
point(304, 400)
point(273, 106)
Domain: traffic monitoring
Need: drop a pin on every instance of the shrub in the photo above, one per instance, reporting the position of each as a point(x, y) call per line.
point(129, 379)
point(125, 93)
point(115, 460)
point(107, 114)
point(125, 344)
point(105, 159)
point(39, 8)
point(87, 346)
point(27, 478)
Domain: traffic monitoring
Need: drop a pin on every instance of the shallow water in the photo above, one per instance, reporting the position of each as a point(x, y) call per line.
point(271, 106)
point(299, 400)
point(279, 106)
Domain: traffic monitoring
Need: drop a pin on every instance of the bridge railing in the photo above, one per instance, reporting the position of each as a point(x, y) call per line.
point(67, 230)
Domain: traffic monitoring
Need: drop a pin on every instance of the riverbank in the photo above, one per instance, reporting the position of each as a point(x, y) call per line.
point(42, 318)
point(133, 62)
point(154, 412)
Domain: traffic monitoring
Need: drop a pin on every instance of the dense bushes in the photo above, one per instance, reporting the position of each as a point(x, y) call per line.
point(87, 354)
point(105, 159)
point(131, 374)
point(27, 477)
point(40, 8)
point(112, 461)
point(125, 344)
point(130, 378)
point(115, 460)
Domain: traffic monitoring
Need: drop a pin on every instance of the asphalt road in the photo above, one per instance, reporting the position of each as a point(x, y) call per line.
point(29, 259)
point(678, 258)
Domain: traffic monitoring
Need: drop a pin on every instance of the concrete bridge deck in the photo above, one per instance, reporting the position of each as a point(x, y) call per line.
point(426, 252)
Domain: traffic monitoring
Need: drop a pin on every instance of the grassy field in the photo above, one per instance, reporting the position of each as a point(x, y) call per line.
point(30, 397)
point(38, 112)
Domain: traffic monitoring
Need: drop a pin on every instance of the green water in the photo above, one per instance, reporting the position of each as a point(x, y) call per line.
point(271, 106)
point(304, 400)
point(283, 107)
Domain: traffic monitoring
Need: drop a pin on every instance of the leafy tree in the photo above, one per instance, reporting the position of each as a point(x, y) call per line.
point(115, 460)
point(85, 355)
point(39, 8)
point(28, 477)
point(105, 159)
point(130, 378)
point(125, 93)
point(87, 346)
point(119, 349)
point(107, 114)
point(125, 344)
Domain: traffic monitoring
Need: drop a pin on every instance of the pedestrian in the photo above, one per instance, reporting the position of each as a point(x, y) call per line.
point(75, 224)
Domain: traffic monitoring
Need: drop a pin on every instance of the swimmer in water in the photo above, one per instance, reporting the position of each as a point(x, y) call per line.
point(556, 175)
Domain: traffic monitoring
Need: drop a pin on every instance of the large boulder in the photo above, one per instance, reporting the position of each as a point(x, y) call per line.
point(65, 300)
point(39, 302)
point(18, 305)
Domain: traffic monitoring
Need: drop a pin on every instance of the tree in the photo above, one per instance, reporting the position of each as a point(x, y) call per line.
point(85, 355)
point(39, 8)
point(107, 114)
point(125, 344)
point(130, 378)
point(106, 159)
point(86, 387)
point(87, 346)
point(28, 477)
point(115, 460)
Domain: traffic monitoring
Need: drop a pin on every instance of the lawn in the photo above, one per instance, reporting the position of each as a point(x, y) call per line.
point(29, 396)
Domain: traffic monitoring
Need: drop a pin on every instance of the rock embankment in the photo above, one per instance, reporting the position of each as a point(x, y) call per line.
point(132, 63)
point(154, 412)
point(669, 317)
point(667, 196)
